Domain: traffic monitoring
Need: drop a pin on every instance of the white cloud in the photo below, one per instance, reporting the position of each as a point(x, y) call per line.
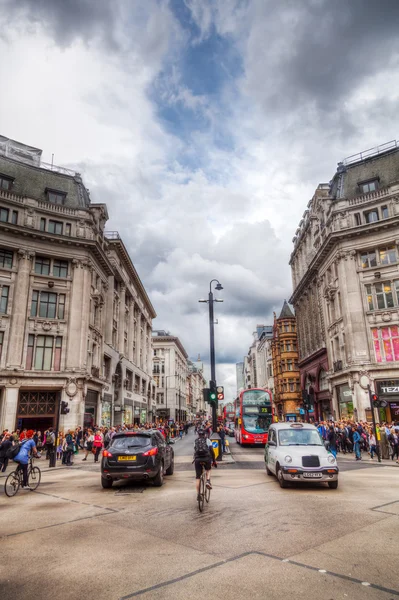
point(218, 200)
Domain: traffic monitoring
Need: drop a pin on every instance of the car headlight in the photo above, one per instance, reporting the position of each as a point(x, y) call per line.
point(331, 459)
point(288, 459)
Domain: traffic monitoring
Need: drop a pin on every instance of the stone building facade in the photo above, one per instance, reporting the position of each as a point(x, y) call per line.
point(170, 372)
point(257, 366)
point(287, 391)
point(313, 357)
point(346, 283)
point(59, 286)
point(196, 383)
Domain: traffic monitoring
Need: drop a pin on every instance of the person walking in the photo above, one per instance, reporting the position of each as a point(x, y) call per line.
point(69, 449)
point(393, 439)
point(6, 443)
point(356, 443)
point(88, 443)
point(222, 434)
point(60, 443)
point(332, 440)
point(97, 444)
point(372, 444)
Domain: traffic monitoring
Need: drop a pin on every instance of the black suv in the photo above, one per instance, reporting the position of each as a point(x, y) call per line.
point(137, 455)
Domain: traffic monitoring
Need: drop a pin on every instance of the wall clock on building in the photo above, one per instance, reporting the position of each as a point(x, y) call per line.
point(364, 381)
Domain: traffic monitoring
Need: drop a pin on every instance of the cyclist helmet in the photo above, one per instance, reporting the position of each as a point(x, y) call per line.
point(201, 431)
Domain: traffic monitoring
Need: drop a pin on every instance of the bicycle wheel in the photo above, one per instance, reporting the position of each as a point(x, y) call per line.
point(12, 484)
point(207, 494)
point(34, 477)
point(201, 495)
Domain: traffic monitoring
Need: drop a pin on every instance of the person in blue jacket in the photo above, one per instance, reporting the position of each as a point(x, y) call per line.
point(27, 446)
point(356, 442)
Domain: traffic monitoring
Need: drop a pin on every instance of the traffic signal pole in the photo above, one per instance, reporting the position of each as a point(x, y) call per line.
point(377, 441)
point(212, 353)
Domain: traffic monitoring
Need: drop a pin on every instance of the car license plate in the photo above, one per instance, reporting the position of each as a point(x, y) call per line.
point(313, 475)
point(126, 458)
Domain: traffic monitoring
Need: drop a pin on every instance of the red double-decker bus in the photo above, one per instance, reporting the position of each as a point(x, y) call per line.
point(253, 416)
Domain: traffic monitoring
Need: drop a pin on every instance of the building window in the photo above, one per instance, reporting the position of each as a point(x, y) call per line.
point(384, 294)
point(358, 220)
point(56, 197)
point(14, 218)
point(55, 227)
point(323, 384)
point(371, 216)
point(386, 343)
point(4, 212)
point(1, 342)
point(4, 299)
point(42, 265)
point(384, 212)
point(5, 182)
point(368, 186)
point(67, 229)
point(129, 380)
point(50, 305)
point(6, 259)
point(60, 268)
point(369, 297)
point(387, 255)
point(368, 259)
point(42, 224)
point(41, 351)
point(107, 367)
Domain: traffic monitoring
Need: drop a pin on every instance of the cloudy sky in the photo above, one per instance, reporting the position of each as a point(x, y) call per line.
point(205, 125)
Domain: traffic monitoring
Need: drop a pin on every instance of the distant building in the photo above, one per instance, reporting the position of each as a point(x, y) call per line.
point(170, 372)
point(346, 287)
point(75, 319)
point(258, 361)
point(240, 377)
point(196, 384)
point(287, 391)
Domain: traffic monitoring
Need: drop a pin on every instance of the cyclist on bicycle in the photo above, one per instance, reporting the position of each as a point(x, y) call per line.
point(23, 456)
point(203, 454)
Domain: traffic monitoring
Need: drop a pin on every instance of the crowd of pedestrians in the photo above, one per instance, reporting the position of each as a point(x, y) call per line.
point(349, 437)
point(89, 440)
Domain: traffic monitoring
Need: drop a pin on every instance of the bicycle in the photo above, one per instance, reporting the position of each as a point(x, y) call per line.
point(204, 492)
point(14, 480)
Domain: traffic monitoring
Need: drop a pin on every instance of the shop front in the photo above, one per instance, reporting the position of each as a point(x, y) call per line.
point(106, 407)
point(388, 390)
point(128, 412)
point(90, 414)
point(37, 409)
point(345, 402)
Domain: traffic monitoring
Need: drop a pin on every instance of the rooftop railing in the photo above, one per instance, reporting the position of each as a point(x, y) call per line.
point(354, 158)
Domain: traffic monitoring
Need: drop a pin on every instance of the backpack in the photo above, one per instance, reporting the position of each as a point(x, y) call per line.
point(201, 449)
point(50, 439)
point(13, 450)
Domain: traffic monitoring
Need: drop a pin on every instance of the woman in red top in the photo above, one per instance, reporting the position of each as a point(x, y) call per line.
point(97, 444)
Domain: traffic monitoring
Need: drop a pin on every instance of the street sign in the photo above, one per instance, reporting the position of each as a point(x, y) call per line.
point(215, 445)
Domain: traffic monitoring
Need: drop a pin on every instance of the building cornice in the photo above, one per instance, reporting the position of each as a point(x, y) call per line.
point(123, 253)
point(332, 240)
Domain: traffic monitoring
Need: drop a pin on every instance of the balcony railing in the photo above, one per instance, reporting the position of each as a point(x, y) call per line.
point(112, 235)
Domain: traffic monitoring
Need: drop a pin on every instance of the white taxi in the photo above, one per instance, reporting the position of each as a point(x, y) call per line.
point(296, 452)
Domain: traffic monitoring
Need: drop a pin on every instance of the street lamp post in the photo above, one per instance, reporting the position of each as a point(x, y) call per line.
point(210, 301)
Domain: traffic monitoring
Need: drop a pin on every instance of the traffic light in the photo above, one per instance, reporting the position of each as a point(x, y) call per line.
point(64, 407)
point(212, 393)
point(205, 393)
point(220, 392)
point(374, 398)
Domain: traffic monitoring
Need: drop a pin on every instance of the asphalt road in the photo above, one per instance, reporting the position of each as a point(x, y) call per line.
point(71, 538)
